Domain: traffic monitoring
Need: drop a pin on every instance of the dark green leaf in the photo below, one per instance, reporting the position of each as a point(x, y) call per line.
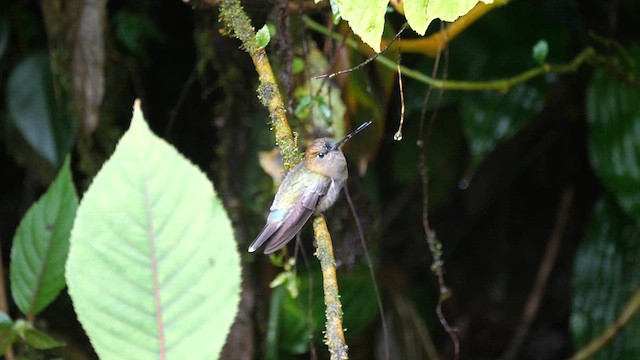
point(40, 246)
point(613, 112)
point(8, 334)
point(540, 51)
point(490, 117)
point(606, 273)
point(32, 109)
point(35, 338)
point(135, 32)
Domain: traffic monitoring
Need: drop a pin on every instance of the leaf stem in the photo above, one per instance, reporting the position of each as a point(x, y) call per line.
point(502, 85)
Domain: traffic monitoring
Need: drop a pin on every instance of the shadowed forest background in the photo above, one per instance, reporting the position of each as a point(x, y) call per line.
point(533, 192)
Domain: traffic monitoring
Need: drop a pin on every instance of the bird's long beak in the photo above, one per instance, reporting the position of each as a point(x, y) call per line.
point(352, 134)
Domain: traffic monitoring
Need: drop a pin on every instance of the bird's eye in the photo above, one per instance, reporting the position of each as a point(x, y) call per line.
point(321, 155)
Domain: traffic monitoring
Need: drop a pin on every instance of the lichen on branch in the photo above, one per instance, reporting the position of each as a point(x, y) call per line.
point(234, 17)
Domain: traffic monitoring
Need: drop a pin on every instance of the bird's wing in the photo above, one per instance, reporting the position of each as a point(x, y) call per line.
point(293, 223)
point(269, 229)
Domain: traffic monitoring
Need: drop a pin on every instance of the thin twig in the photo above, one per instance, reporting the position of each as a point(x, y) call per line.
point(502, 85)
point(372, 273)
point(173, 113)
point(364, 63)
point(398, 135)
point(435, 247)
point(630, 312)
point(532, 305)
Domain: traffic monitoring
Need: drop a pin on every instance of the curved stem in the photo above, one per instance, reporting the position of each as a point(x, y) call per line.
point(502, 85)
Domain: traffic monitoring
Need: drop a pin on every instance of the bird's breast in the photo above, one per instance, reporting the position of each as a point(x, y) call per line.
point(331, 196)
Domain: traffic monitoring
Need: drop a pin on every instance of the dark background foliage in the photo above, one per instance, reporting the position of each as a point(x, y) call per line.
point(508, 171)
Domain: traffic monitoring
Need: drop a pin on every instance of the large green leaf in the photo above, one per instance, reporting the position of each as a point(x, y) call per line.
point(420, 13)
point(41, 244)
point(606, 273)
point(613, 112)
point(32, 108)
point(366, 17)
point(153, 268)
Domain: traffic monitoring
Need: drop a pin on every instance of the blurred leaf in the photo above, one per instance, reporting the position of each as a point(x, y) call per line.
point(613, 112)
point(32, 108)
point(88, 64)
point(5, 321)
point(5, 31)
point(490, 117)
point(540, 51)
point(298, 65)
point(35, 338)
point(606, 273)
point(366, 17)
point(136, 32)
point(153, 267)
point(420, 13)
point(263, 36)
point(7, 333)
point(291, 330)
point(320, 100)
point(41, 244)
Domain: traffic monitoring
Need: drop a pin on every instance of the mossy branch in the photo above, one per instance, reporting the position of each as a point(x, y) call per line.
point(234, 17)
point(334, 337)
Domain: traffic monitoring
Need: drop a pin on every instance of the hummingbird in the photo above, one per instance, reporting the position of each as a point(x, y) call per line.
point(312, 187)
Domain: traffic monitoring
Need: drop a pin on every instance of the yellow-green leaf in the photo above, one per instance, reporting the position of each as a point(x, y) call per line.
point(366, 19)
point(153, 267)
